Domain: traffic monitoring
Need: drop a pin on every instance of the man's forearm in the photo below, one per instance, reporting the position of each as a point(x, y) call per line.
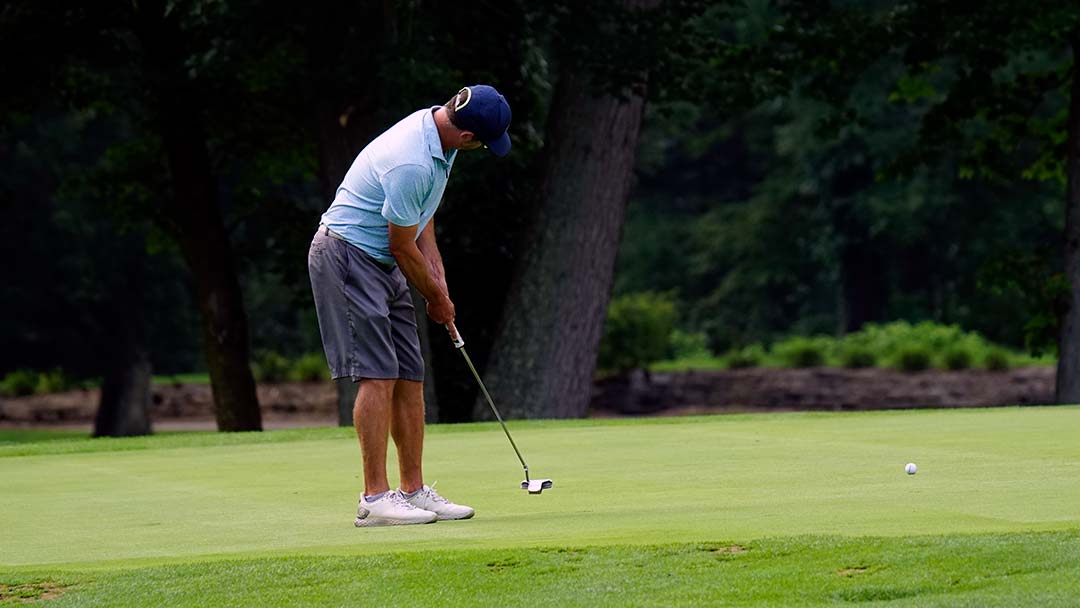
point(421, 273)
point(434, 262)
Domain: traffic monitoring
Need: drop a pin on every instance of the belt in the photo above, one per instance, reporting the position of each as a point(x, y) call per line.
point(330, 233)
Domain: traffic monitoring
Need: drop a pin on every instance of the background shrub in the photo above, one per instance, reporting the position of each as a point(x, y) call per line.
point(637, 331)
point(856, 357)
point(23, 382)
point(747, 356)
point(899, 344)
point(269, 366)
point(309, 368)
point(957, 358)
point(19, 383)
point(52, 381)
point(913, 358)
point(803, 352)
point(996, 360)
point(689, 345)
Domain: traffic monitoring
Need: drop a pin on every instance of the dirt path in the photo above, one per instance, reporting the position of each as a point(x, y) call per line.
point(178, 407)
point(183, 407)
point(820, 389)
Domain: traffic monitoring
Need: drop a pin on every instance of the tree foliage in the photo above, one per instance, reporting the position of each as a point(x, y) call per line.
point(804, 166)
point(811, 207)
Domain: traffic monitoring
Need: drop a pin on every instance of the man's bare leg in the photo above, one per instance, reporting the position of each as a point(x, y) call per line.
point(407, 428)
point(371, 417)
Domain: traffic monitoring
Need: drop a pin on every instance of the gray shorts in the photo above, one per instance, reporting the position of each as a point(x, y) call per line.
point(366, 314)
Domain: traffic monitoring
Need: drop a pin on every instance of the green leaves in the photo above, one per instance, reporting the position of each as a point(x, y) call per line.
point(637, 332)
point(999, 107)
point(912, 88)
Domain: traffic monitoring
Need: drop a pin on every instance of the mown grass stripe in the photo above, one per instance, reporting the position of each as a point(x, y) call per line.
point(984, 570)
point(817, 508)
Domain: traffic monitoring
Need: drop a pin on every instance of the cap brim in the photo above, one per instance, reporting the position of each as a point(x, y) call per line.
point(500, 146)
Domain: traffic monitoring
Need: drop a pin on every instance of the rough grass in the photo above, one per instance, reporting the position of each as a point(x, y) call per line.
point(790, 509)
point(985, 570)
point(192, 378)
point(9, 437)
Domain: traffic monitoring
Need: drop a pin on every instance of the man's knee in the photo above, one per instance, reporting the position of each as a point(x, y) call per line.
point(372, 388)
point(409, 392)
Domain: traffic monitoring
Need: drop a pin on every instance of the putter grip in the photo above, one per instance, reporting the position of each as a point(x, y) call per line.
point(455, 335)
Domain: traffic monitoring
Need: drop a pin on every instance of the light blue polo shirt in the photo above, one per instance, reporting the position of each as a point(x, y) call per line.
point(399, 177)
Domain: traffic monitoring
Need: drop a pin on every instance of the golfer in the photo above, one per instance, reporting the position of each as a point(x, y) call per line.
point(377, 234)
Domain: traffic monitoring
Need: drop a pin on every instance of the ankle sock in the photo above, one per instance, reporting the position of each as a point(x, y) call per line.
point(375, 497)
point(411, 494)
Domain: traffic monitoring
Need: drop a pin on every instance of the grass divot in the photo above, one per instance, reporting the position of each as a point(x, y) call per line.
point(30, 592)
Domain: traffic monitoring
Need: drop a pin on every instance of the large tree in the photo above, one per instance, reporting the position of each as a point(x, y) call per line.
point(543, 360)
point(177, 103)
point(151, 63)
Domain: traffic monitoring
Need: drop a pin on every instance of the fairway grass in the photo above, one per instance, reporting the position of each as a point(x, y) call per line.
point(1040, 569)
point(781, 509)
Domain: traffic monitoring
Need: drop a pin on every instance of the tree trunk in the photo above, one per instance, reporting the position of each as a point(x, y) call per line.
point(1068, 370)
point(543, 360)
point(197, 222)
point(431, 402)
point(863, 276)
point(205, 247)
point(346, 400)
point(124, 409)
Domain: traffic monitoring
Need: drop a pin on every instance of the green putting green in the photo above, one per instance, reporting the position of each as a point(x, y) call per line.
point(777, 493)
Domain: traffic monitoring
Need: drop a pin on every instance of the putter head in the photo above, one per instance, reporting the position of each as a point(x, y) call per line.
point(536, 486)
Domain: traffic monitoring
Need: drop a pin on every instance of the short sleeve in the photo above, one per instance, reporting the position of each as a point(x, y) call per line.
point(406, 188)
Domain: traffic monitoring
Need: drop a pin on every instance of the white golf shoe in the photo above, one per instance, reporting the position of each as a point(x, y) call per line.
point(391, 510)
point(428, 499)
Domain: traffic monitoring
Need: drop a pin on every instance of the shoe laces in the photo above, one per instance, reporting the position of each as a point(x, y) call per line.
point(398, 499)
point(434, 496)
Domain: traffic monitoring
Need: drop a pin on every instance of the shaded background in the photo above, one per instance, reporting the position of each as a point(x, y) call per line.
point(760, 169)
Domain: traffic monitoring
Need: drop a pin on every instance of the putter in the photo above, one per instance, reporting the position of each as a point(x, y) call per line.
point(534, 486)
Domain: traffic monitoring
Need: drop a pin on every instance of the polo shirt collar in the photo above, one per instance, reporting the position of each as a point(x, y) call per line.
point(431, 135)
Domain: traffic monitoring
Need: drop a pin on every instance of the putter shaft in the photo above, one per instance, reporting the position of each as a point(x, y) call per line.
point(483, 389)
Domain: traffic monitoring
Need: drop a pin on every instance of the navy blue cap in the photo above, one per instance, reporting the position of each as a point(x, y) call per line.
point(482, 110)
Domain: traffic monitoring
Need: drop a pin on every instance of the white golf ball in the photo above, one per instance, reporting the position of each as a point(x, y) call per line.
point(910, 468)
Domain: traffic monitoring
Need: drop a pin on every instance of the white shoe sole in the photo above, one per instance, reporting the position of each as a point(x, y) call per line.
point(449, 518)
point(371, 522)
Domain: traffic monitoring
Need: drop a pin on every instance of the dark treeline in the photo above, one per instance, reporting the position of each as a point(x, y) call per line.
point(781, 167)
